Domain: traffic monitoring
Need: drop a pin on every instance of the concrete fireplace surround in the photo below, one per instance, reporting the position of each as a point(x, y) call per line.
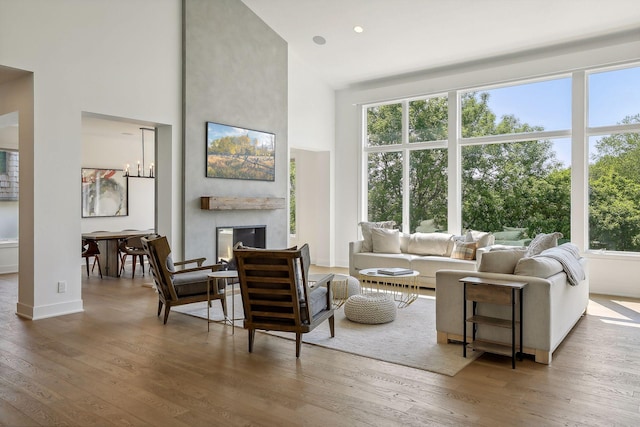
point(236, 93)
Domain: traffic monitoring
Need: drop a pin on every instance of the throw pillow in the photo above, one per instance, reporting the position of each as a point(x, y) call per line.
point(541, 242)
point(500, 261)
point(542, 267)
point(508, 235)
point(464, 250)
point(482, 238)
point(366, 227)
point(385, 240)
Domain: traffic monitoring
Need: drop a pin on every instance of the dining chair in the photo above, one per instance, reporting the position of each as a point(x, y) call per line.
point(131, 246)
point(90, 249)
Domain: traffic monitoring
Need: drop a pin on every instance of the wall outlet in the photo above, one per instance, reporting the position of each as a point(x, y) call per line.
point(62, 287)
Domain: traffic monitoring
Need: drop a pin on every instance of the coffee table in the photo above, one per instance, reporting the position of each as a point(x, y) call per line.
point(403, 287)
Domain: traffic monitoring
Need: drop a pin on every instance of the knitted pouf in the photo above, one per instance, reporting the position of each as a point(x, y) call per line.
point(371, 308)
point(344, 286)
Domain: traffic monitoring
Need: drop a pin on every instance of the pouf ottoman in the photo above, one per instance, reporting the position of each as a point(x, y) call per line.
point(371, 308)
point(342, 287)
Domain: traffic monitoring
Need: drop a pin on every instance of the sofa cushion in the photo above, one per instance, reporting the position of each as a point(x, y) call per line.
point(431, 244)
point(385, 240)
point(367, 244)
point(428, 265)
point(364, 260)
point(464, 250)
point(542, 267)
point(404, 242)
point(500, 261)
point(541, 242)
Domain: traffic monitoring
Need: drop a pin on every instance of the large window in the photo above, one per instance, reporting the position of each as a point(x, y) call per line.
point(515, 158)
point(515, 150)
point(407, 163)
point(614, 160)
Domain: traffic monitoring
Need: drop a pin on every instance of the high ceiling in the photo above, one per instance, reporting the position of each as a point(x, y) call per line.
point(408, 36)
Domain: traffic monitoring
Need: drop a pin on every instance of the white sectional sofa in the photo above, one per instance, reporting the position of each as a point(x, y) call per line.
point(424, 252)
point(552, 306)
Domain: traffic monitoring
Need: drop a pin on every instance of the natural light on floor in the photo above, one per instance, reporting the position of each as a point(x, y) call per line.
point(616, 312)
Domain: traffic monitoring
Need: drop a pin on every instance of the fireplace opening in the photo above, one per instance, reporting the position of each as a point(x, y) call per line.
point(227, 237)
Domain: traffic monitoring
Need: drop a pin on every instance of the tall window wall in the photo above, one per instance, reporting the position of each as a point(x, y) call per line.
point(515, 146)
point(406, 151)
point(614, 159)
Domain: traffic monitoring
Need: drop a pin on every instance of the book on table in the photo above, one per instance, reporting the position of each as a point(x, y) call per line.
point(395, 271)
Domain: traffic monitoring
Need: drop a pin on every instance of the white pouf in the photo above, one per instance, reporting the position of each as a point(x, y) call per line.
point(344, 286)
point(370, 308)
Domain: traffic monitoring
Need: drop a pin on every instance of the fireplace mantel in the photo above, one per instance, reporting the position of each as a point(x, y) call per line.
point(213, 203)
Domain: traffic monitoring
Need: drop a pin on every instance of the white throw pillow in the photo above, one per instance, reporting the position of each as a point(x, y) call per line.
point(366, 227)
point(541, 242)
point(385, 240)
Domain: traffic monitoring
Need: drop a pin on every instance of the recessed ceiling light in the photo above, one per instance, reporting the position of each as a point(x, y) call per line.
point(358, 29)
point(319, 40)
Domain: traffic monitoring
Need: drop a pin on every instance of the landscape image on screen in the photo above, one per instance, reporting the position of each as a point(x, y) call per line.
point(238, 153)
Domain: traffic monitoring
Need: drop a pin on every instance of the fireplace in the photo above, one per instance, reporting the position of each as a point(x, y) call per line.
point(226, 237)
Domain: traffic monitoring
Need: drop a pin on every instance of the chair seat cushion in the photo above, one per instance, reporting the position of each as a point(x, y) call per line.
point(191, 283)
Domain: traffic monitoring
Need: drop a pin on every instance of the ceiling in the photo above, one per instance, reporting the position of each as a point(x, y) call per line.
point(409, 36)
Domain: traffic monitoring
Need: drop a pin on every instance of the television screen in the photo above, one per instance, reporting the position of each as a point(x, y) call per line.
point(239, 153)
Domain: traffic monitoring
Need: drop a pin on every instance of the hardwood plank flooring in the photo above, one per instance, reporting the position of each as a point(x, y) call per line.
point(116, 364)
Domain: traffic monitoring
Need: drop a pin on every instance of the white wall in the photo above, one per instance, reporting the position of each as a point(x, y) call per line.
point(113, 58)
point(607, 51)
point(312, 137)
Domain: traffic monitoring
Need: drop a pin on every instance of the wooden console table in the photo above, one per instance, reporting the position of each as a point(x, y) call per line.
point(502, 292)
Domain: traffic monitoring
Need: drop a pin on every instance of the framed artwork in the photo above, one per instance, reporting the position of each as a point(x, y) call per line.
point(239, 153)
point(104, 193)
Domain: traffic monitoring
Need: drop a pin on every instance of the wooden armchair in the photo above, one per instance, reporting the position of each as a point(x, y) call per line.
point(276, 294)
point(179, 286)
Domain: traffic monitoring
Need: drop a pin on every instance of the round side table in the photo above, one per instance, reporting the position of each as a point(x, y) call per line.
point(226, 275)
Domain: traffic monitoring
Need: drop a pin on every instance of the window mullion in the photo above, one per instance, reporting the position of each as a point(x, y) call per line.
point(405, 168)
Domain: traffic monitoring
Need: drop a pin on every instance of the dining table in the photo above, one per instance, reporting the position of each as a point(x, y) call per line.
point(108, 242)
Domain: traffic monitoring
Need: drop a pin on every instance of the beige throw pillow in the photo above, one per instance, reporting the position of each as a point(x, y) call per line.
point(501, 261)
point(537, 267)
point(542, 242)
point(366, 227)
point(482, 238)
point(385, 240)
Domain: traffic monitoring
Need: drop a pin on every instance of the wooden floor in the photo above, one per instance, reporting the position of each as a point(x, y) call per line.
point(116, 364)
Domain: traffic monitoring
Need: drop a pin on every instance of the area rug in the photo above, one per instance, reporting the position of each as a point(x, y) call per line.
point(410, 340)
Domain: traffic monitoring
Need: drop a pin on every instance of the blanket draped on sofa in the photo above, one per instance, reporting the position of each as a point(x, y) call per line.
point(568, 255)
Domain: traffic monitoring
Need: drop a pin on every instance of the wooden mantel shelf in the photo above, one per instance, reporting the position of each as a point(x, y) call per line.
point(233, 203)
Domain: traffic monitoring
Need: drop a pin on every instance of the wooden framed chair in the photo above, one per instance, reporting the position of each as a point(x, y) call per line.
point(179, 286)
point(276, 294)
point(90, 249)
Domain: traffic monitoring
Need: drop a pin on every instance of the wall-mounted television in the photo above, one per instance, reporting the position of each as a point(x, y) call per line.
point(239, 153)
